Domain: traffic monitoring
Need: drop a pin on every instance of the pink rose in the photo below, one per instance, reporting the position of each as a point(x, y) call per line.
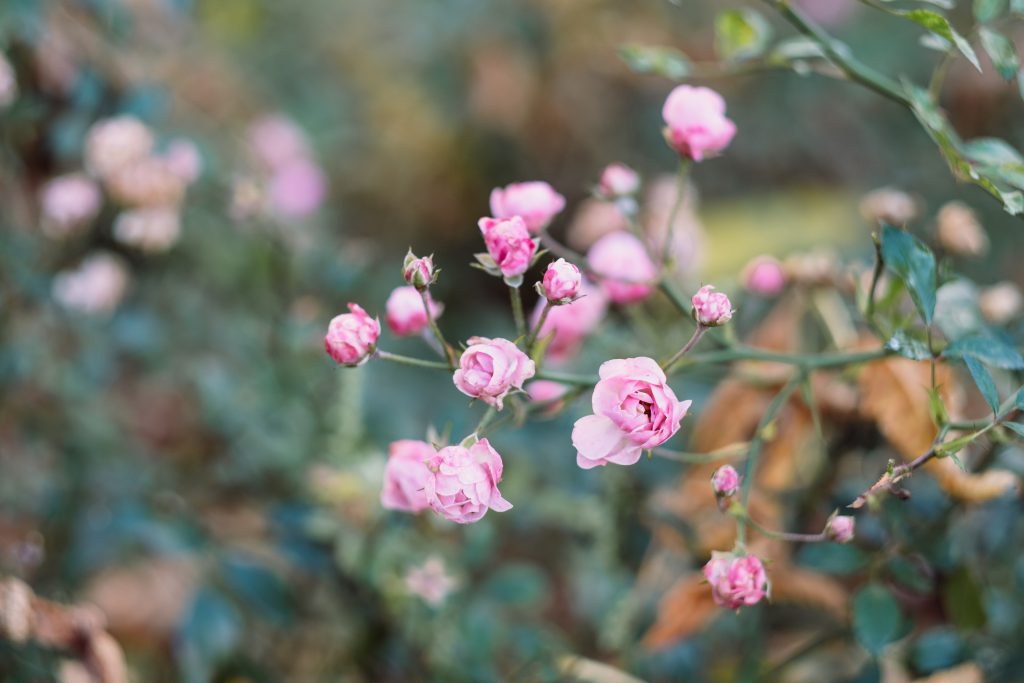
point(840, 529)
point(297, 188)
point(634, 409)
point(352, 337)
point(572, 322)
point(509, 244)
point(618, 180)
point(405, 476)
point(405, 313)
point(116, 143)
point(535, 202)
point(464, 482)
point(695, 122)
point(419, 271)
point(725, 481)
point(547, 392)
point(275, 141)
point(711, 308)
point(68, 203)
point(623, 267)
point(490, 368)
point(561, 281)
point(736, 580)
point(430, 582)
point(764, 275)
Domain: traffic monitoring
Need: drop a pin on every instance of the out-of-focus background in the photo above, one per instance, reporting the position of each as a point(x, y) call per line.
point(176, 448)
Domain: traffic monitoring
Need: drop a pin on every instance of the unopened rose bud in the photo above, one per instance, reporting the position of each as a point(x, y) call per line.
point(764, 275)
point(888, 205)
point(959, 231)
point(840, 529)
point(695, 122)
point(561, 282)
point(418, 271)
point(725, 481)
point(618, 180)
point(711, 308)
point(736, 581)
point(1001, 303)
point(352, 337)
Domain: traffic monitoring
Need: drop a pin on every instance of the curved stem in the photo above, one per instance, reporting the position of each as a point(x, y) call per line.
point(677, 299)
point(517, 310)
point(666, 249)
point(725, 453)
point(449, 354)
point(791, 536)
point(416, 362)
point(815, 362)
point(531, 339)
point(687, 347)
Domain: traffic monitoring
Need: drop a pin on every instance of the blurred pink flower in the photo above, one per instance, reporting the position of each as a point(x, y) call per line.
point(840, 529)
point(404, 311)
point(297, 188)
point(430, 582)
point(276, 141)
point(618, 180)
point(572, 322)
point(725, 481)
point(68, 202)
point(152, 230)
point(764, 275)
point(711, 308)
point(736, 581)
point(183, 159)
point(509, 244)
point(464, 482)
point(8, 83)
point(96, 286)
point(352, 337)
point(116, 143)
point(696, 125)
point(405, 476)
point(561, 281)
point(490, 368)
point(828, 13)
point(624, 269)
point(535, 202)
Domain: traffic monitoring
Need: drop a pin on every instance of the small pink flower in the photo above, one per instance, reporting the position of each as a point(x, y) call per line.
point(464, 482)
point(618, 180)
point(418, 271)
point(430, 582)
point(634, 410)
point(840, 529)
point(764, 275)
point(548, 392)
point(725, 481)
point(352, 337)
point(405, 314)
point(509, 244)
point(152, 230)
point(623, 267)
point(69, 202)
point(572, 322)
point(297, 189)
point(561, 281)
point(695, 120)
point(94, 287)
point(405, 476)
point(275, 141)
point(183, 159)
point(535, 202)
point(116, 143)
point(736, 581)
point(711, 308)
point(490, 368)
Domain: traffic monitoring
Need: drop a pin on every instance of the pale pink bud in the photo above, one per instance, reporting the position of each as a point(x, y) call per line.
point(840, 529)
point(959, 230)
point(96, 286)
point(352, 337)
point(405, 313)
point(115, 143)
point(152, 230)
point(490, 368)
point(725, 481)
point(696, 125)
point(1001, 302)
point(623, 267)
point(618, 180)
point(68, 202)
point(419, 271)
point(535, 202)
point(736, 581)
point(297, 188)
point(711, 308)
point(764, 275)
point(430, 582)
point(509, 244)
point(889, 205)
point(464, 482)
point(405, 476)
point(561, 281)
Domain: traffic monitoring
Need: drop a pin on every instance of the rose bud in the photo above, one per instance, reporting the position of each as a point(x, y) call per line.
point(535, 202)
point(68, 202)
point(888, 205)
point(561, 282)
point(736, 581)
point(464, 482)
point(418, 271)
point(764, 276)
point(634, 410)
point(725, 481)
point(405, 476)
point(623, 267)
point(618, 180)
point(490, 368)
point(840, 529)
point(695, 122)
point(959, 230)
point(116, 143)
point(1001, 303)
point(352, 337)
point(711, 308)
point(405, 312)
point(509, 245)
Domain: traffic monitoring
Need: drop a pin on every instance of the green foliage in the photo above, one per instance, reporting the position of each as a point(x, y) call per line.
point(877, 619)
point(662, 61)
point(741, 34)
point(913, 262)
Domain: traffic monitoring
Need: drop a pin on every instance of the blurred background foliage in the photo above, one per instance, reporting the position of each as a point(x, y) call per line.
point(195, 465)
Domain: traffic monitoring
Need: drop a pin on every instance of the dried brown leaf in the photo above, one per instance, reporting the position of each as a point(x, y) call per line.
point(683, 611)
point(965, 673)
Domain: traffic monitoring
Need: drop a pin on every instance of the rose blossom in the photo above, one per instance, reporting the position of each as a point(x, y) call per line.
point(695, 120)
point(151, 230)
point(840, 529)
point(490, 368)
point(352, 337)
point(405, 313)
point(725, 481)
point(618, 180)
point(297, 189)
point(634, 410)
point(572, 322)
point(430, 582)
point(736, 581)
point(96, 286)
point(419, 271)
point(115, 143)
point(68, 202)
point(561, 281)
point(509, 244)
point(405, 476)
point(623, 267)
point(764, 275)
point(535, 202)
point(464, 482)
point(546, 391)
point(711, 308)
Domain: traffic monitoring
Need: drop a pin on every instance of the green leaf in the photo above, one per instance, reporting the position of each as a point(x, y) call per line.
point(949, 449)
point(908, 347)
point(962, 601)
point(1017, 6)
point(913, 262)
point(984, 382)
point(988, 350)
point(876, 618)
point(940, 26)
point(741, 34)
point(987, 10)
point(661, 61)
point(1015, 427)
point(913, 575)
point(832, 558)
point(1002, 52)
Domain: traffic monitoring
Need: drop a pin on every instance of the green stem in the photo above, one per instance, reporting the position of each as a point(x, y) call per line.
point(485, 419)
point(666, 250)
point(416, 362)
point(532, 338)
point(564, 378)
point(790, 536)
point(517, 310)
point(449, 354)
point(562, 251)
point(816, 362)
point(876, 275)
point(727, 453)
point(687, 347)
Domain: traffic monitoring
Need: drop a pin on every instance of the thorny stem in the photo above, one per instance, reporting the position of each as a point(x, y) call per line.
point(531, 339)
point(449, 354)
point(517, 310)
point(687, 347)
